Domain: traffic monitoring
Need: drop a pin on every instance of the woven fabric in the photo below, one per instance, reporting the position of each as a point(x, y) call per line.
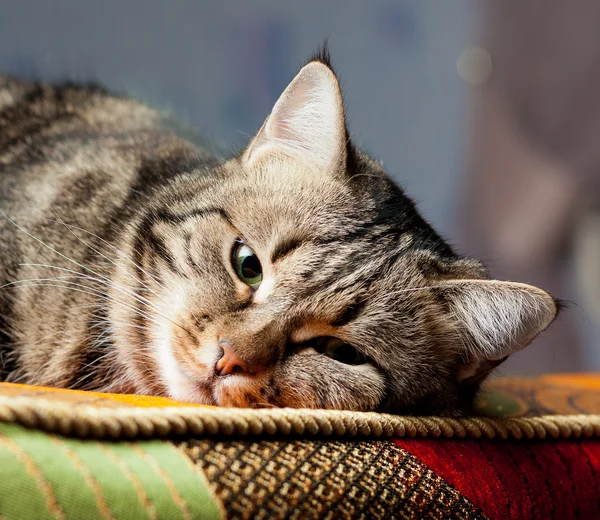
point(509, 408)
point(529, 480)
point(44, 476)
point(319, 479)
point(207, 462)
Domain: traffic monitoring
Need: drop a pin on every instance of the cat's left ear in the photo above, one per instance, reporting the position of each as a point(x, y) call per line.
point(495, 319)
point(307, 122)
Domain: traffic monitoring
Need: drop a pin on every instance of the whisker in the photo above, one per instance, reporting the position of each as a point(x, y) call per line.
point(60, 254)
point(108, 283)
point(92, 292)
point(71, 260)
point(48, 246)
point(69, 226)
point(413, 289)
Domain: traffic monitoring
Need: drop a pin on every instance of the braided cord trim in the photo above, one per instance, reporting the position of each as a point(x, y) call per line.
point(87, 421)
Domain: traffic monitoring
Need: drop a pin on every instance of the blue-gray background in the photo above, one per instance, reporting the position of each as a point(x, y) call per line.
point(221, 65)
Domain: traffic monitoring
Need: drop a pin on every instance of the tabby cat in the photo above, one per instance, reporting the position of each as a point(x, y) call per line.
point(293, 274)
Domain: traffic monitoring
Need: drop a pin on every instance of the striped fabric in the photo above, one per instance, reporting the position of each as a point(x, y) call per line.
point(67, 454)
point(47, 476)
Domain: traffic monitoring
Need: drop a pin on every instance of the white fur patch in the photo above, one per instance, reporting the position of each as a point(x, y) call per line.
point(179, 385)
point(264, 289)
point(172, 375)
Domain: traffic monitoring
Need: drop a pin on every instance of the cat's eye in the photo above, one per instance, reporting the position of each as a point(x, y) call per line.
point(340, 351)
point(246, 265)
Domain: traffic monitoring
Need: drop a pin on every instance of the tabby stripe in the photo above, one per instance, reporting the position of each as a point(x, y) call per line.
point(188, 252)
point(350, 314)
point(8, 362)
point(285, 247)
point(137, 316)
point(171, 218)
point(158, 246)
point(38, 110)
point(367, 229)
point(346, 278)
point(145, 235)
point(91, 351)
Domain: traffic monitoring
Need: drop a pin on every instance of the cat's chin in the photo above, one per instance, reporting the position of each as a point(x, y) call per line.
point(228, 391)
point(182, 387)
point(238, 390)
point(232, 391)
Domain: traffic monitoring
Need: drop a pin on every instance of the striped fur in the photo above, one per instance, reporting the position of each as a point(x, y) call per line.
point(116, 237)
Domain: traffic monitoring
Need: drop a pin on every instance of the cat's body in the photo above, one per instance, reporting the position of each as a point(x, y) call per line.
point(160, 270)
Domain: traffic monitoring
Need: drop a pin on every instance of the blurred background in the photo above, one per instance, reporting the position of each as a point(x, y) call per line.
point(485, 111)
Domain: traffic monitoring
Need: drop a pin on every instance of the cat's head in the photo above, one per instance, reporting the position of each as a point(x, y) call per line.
point(298, 274)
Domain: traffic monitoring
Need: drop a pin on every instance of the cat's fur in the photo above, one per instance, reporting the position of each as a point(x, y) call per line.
point(116, 239)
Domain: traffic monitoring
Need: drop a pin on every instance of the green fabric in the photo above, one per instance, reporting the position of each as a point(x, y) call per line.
point(46, 476)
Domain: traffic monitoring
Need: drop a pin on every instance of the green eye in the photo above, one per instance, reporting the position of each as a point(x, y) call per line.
point(246, 265)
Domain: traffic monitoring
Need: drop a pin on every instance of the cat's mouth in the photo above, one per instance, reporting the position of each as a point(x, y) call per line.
point(206, 386)
point(193, 374)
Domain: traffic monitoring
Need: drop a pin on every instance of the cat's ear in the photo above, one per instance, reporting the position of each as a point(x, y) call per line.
point(495, 319)
point(307, 122)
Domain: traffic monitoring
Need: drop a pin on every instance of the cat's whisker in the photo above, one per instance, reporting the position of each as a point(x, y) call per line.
point(414, 289)
point(95, 362)
point(49, 247)
point(103, 322)
point(117, 287)
point(69, 286)
point(107, 283)
point(46, 337)
point(77, 383)
point(137, 266)
point(65, 256)
point(118, 266)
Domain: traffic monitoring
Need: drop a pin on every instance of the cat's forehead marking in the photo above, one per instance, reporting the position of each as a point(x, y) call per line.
point(285, 246)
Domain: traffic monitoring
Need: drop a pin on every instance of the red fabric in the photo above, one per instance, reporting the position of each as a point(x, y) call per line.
point(519, 479)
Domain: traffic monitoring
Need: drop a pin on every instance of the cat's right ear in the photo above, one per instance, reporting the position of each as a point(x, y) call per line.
point(307, 122)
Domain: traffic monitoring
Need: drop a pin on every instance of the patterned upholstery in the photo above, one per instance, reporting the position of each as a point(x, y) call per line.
point(533, 453)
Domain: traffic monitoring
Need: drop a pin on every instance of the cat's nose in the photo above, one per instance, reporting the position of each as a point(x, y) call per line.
point(230, 362)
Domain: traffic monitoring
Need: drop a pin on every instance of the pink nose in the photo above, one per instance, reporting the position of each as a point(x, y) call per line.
point(230, 363)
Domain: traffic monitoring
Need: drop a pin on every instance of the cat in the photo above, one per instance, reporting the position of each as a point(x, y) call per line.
point(294, 274)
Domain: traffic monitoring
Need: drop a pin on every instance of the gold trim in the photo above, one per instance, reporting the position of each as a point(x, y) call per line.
point(87, 421)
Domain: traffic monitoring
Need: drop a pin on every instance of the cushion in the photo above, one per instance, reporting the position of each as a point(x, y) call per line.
point(532, 452)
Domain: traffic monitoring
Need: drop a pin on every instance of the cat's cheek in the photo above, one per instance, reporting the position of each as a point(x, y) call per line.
point(309, 381)
point(167, 352)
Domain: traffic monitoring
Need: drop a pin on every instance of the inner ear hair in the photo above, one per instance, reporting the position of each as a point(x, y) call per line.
point(493, 320)
point(307, 122)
